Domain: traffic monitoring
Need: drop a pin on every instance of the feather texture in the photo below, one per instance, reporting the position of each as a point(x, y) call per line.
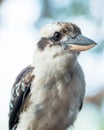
point(20, 92)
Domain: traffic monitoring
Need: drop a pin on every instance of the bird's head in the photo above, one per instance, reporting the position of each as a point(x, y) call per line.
point(66, 35)
point(62, 39)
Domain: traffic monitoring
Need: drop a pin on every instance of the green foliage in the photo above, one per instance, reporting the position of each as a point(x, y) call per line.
point(50, 9)
point(102, 123)
point(80, 7)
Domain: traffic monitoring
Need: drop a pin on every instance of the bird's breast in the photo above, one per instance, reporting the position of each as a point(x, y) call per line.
point(53, 102)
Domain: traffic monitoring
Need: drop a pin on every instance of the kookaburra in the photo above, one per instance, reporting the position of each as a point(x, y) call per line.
point(48, 94)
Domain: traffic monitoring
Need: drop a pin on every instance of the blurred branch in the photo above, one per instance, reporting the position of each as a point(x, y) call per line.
point(1, 1)
point(45, 12)
point(0, 10)
point(46, 9)
point(96, 99)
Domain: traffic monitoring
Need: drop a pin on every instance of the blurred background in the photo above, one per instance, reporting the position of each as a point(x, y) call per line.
point(20, 21)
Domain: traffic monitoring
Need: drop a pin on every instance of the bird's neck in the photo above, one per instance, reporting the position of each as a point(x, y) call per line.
point(48, 74)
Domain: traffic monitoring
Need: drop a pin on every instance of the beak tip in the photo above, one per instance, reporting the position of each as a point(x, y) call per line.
point(83, 43)
point(95, 43)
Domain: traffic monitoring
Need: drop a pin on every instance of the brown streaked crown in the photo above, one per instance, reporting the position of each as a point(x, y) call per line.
point(62, 27)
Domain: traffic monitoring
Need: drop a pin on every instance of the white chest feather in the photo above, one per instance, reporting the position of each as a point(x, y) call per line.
point(54, 103)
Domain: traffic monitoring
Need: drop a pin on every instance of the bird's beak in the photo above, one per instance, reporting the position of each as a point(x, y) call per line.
point(81, 43)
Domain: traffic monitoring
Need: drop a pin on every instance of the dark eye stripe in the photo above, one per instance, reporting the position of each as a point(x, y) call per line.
point(43, 43)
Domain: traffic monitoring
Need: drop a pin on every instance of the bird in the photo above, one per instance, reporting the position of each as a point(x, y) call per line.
point(48, 94)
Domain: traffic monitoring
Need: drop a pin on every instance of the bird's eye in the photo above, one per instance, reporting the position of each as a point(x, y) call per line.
point(77, 31)
point(57, 36)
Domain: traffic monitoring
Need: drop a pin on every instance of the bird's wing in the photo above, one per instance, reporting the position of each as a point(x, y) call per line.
point(20, 92)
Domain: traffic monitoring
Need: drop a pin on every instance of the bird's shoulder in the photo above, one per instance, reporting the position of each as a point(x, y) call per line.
point(19, 93)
